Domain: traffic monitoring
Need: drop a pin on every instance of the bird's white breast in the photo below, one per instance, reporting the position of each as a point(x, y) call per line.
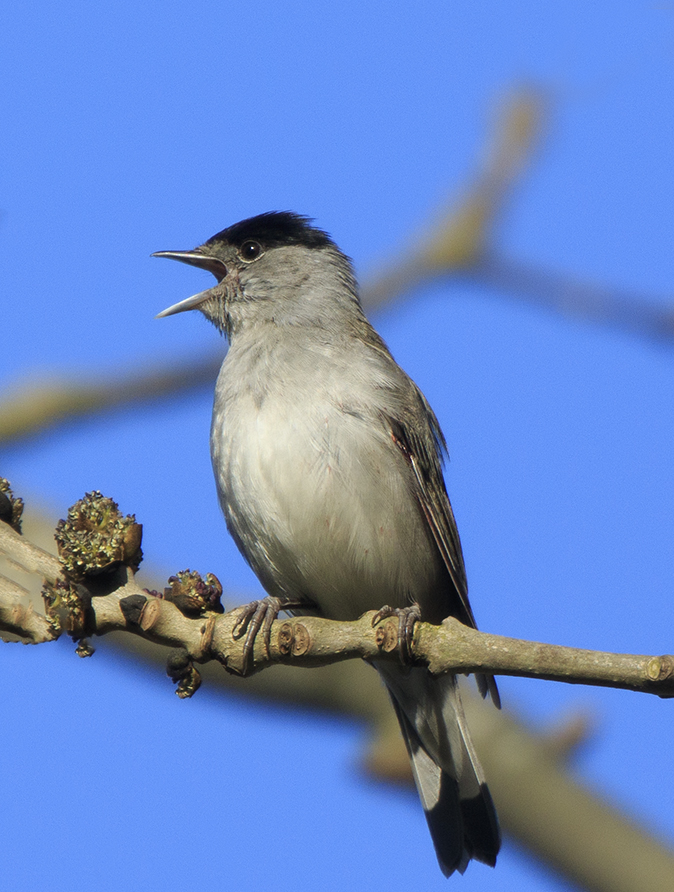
point(292, 480)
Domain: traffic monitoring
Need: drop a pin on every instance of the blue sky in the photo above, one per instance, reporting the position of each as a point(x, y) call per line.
point(133, 128)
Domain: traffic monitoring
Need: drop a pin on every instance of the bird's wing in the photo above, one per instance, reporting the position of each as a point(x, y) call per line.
point(422, 445)
point(420, 440)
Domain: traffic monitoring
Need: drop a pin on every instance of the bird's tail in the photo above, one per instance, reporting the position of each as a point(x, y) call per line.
point(456, 800)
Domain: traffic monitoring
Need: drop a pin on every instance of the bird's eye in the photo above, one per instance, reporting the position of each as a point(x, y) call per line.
point(250, 250)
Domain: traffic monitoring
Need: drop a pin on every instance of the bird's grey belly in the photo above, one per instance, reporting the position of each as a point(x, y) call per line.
point(322, 509)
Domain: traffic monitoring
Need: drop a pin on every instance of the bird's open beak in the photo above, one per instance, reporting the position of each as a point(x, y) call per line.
point(193, 258)
point(190, 303)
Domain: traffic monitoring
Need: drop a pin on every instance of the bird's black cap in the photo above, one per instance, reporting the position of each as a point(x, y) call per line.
point(275, 229)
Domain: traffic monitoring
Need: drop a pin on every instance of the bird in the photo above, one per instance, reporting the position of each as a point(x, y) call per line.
point(328, 463)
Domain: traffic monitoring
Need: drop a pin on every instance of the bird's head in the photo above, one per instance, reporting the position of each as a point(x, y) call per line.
point(275, 267)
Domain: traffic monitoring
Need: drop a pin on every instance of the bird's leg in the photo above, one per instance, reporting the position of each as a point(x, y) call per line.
point(255, 616)
point(407, 617)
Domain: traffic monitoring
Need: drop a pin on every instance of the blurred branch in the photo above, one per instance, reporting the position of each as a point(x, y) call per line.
point(459, 246)
point(575, 830)
point(587, 839)
point(632, 313)
point(461, 235)
point(35, 408)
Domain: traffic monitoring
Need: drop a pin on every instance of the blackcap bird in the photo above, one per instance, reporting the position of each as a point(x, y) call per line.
point(328, 465)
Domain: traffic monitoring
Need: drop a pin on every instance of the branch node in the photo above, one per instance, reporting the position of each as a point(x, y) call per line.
point(84, 648)
point(132, 608)
point(293, 639)
point(150, 614)
point(180, 669)
point(660, 668)
point(386, 637)
point(285, 639)
point(301, 640)
point(207, 635)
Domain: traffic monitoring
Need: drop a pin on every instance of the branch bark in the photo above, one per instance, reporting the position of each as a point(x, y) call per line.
point(313, 641)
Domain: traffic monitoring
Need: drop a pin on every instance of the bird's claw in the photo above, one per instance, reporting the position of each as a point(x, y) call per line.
point(407, 619)
point(256, 616)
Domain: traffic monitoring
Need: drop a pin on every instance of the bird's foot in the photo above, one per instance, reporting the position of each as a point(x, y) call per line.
point(407, 618)
point(256, 616)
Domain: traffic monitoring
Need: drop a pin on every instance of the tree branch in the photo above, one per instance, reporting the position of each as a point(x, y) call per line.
point(18, 616)
point(303, 641)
